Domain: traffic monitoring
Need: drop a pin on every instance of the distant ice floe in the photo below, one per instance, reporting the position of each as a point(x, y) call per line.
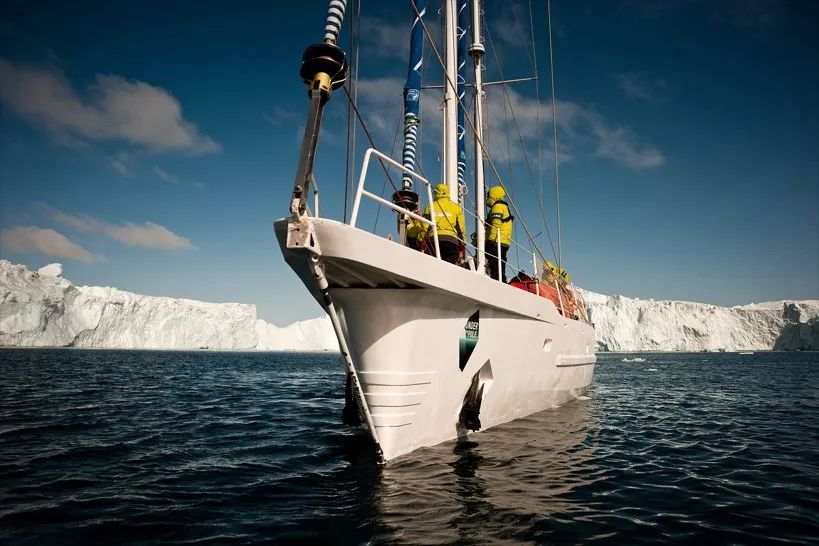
point(638, 359)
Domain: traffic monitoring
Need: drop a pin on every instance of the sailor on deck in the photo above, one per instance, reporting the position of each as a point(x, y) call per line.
point(498, 223)
point(449, 220)
point(416, 233)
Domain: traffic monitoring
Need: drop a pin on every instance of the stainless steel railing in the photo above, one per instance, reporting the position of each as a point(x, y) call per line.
point(361, 192)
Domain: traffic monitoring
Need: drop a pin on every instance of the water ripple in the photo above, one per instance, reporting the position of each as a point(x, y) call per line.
point(191, 448)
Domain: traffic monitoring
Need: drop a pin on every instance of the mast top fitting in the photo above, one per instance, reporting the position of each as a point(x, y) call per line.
point(323, 67)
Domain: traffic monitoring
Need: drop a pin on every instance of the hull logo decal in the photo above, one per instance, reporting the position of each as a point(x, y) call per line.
point(469, 340)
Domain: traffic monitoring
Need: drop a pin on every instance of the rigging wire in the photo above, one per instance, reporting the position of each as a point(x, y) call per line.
point(520, 139)
point(480, 143)
point(508, 151)
point(509, 163)
point(421, 156)
point(533, 56)
point(369, 136)
point(537, 110)
point(355, 77)
point(398, 125)
point(554, 128)
point(350, 125)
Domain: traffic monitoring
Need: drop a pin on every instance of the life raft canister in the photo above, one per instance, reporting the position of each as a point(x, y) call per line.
point(548, 291)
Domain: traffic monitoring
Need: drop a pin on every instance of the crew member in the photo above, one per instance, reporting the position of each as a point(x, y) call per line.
point(498, 219)
point(416, 231)
point(558, 278)
point(450, 224)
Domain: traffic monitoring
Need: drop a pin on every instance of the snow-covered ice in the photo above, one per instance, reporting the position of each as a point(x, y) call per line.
point(307, 335)
point(635, 325)
point(43, 309)
point(51, 270)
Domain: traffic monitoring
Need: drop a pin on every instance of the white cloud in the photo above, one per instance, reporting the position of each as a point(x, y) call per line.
point(115, 109)
point(511, 26)
point(640, 85)
point(81, 223)
point(582, 131)
point(121, 168)
point(45, 241)
point(122, 162)
point(166, 176)
point(282, 116)
point(619, 144)
point(381, 106)
point(173, 179)
point(390, 39)
point(385, 39)
point(148, 235)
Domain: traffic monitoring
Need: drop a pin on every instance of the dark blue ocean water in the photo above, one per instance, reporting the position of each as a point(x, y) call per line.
point(193, 447)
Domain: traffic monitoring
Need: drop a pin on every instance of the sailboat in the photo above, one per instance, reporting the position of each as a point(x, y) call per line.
point(433, 350)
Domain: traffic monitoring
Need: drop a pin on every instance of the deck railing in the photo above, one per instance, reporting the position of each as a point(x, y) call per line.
point(502, 264)
point(378, 199)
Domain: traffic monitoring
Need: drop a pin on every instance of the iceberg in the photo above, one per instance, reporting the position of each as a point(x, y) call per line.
point(43, 309)
point(638, 325)
point(51, 270)
point(308, 335)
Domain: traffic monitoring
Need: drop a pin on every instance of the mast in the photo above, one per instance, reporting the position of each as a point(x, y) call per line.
point(463, 24)
point(323, 69)
point(554, 129)
point(476, 50)
point(412, 92)
point(412, 119)
point(451, 103)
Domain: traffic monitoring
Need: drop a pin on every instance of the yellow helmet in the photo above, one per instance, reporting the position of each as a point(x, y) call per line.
point(441, 190)
point(495, 193)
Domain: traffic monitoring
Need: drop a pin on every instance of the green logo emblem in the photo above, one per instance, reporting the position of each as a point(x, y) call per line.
point(468, 341)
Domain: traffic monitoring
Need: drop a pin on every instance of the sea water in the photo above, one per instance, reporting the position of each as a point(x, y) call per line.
point(193, 447)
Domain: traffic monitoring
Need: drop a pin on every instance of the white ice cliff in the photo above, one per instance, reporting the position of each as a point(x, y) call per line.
point(41, 309)
point(631, 324)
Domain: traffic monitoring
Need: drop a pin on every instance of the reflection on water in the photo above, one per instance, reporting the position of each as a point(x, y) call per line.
point(493, 482)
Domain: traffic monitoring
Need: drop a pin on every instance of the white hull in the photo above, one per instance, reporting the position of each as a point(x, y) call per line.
point(403, 316)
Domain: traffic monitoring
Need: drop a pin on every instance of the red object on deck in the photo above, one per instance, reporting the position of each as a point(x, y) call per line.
point(548, 291)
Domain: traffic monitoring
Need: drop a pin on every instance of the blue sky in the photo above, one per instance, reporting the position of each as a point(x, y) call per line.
point(150, 147)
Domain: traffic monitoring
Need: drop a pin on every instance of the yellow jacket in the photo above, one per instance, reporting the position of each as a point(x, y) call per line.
point(416, 230)
point(498, 217)
point(449, 217)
